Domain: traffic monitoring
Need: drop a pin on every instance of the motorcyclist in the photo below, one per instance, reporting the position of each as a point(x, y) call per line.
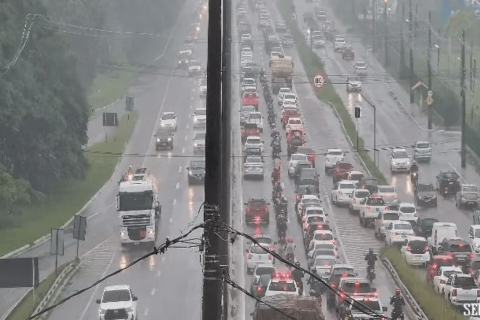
point(314, 283)
point(397, 302)
point(290, 249)
point(298, 275)
point(275, 134)
point(371, 258)
point(281, 226)
point(284, 203)
point(413, 167)
point(308, 191)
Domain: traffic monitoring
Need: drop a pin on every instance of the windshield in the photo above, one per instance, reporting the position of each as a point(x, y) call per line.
point(261, 271)
point(361, 65)
point(423, 145)
point(477, 233)
point(344, 165)
point(417, 244)
point(315, 219)
point(307, 174)
point(356, 176)
point(450, 175)
point(465, 283)
point(248, 109)
point(199, 136)
point(426, 188)
point(282, 286)
point(289, 97)
point(407, 209)
point(324, 262)
point(335, 153)
point(264, 240)
point(136, 201)
point(428, 222)
point(391, 216)
point(460, 248)
point(254, 141)
point(370, 304)
point(362, 194)
point(201, 112)
point(400, 155)
point(357, 287)
point(403, 226)
point(347, 186)
point(253, 159)
point(375, 202)
point(388, 189)
point(297, 157)
point(257, 250)
point(116, 296)
point(448, 273)
point(470, 189)
point(197, 164)
point(168, 116)
point(323, 236)
point(194, 62)
point(255, 116)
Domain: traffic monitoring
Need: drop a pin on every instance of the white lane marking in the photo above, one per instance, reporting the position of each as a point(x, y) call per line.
point(100, 212)
point(174, 201)
point(94, 293)
point(145, 313)
point(177, 185)
point(171, 220)
point(183, 150)
point(186, 138)
point(191, 98)
point(188, 125)
point(153, 291)
point(163, 258)
point(159, 273)
point(179, 169)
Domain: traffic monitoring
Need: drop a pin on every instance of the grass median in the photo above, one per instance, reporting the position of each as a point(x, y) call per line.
point(30, 302)
point(312, 65)
point(37, 221)
point(432, 303)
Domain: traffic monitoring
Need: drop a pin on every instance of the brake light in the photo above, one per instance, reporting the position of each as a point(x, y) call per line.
point(281, 275)
point(409, 249)
point(454, 292)
point(426, 248)
point(434, 266)
point(357, 284)
point(395, 234)
point(472, 255)
point(326, 265)
point(385, 208)
point(460, 245)
point(259, 289)
point(415, 215)
point(344, 275)
point(298, 197)
point(343, 296)
point(319, 227)
point(340, 192)
point(368, 208)
point(270, 257)
point(249, 256)
point(333, 285)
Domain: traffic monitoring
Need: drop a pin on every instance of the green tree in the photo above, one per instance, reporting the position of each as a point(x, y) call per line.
point(463, 20)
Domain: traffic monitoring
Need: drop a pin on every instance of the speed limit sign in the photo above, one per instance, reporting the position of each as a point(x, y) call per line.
point(318, 80)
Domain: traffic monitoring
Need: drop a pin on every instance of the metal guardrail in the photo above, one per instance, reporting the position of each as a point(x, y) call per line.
point(406, 293)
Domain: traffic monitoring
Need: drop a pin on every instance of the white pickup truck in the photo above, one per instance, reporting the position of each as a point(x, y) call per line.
point(294, 124)
point(370, 208)
point(460, 289)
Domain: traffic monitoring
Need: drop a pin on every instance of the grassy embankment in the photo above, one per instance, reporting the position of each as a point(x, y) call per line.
point(37, 221)
point(312, 64)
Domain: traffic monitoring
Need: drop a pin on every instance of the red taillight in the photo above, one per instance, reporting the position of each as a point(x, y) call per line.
point(357, 284)
point(426, 248)
point(454, 292)
point(259, 289)
point(409, 249)
point(326, 265)
point(385, 208)
point(319, 227)
point(368, 208)
point(298, 197)
point(415, 215)
point(478, 293)
point(344, 275)
point(333, 285)
point(434, 266)
point(343, 296)
point(472, 255)
point(354, 201)
point(249, 256)
point(270, 257)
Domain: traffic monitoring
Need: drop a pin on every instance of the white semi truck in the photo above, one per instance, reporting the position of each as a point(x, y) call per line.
point(139, 209)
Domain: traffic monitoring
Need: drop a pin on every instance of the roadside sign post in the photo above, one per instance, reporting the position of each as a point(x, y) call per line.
point(319, 80)
point(79, 229)
point(429, 101)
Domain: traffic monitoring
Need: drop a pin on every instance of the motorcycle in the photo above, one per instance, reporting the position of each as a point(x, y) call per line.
point(282, 233)
point(300, 287)
point(414, 177)
point(397, 315)
point(371, 274)
point(290, 258)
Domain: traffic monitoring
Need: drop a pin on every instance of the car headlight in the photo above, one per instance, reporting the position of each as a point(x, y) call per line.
point(195, 120)
point(190, 173)
point(150, 232)
point(169, 139)
point(129, 309)
point(195, 145)
point(162, 124)
point(158, 140)
point(198, 28)
point(102, 311)
point(179, 61)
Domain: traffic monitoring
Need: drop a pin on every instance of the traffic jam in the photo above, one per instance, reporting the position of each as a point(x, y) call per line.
point(268, 93)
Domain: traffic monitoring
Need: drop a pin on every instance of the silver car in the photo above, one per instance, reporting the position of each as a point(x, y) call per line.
point(354, 84)
point(253, 167)
point(199, 142)
point(423, 151)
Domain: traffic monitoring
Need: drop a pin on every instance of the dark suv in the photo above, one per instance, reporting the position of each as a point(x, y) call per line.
point(459, 249)
point(308, 176)
point(164, 140)
point(196, 172)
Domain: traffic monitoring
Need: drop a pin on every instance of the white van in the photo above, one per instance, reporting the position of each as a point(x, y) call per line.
point(440, 231)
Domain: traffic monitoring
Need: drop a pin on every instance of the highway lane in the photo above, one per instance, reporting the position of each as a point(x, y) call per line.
point(322, 131)
point(398, 126)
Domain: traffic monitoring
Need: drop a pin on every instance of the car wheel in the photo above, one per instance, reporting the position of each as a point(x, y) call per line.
point(333, 200)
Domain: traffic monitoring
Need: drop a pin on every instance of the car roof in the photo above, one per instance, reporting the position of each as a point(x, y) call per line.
point(168, 113)
point(355, 172)
point(450, 268)
point(398, 150)
point(200, 108)
point(406, 204)
point(117, 287)
point(322, 231)
point(324, 256)
point(415, 238)
point(345, 182)
point(342, 265)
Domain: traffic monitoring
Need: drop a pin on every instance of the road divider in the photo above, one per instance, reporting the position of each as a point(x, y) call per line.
point(103, 159)
point(420, 294)
point(313, 65)
point(44, 295)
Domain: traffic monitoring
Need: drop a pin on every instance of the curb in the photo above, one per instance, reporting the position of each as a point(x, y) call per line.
point(417, 310)
point(107, 106)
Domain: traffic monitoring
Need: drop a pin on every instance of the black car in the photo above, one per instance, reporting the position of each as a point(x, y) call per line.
point(424, 227)
point(308, 176)
point(459, 249)
point(300, 165)
point(196, 171)
point(448, 182)
point(164, 140)
point(425, 195)
point(371, 184)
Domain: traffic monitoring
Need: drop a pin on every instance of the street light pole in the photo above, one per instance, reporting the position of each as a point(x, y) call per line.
point(386, 31)
point(438, 57)
point(374, 127)
point(310, 35)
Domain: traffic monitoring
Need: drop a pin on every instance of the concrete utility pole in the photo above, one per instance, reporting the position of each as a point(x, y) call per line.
point(385, 2)
point(410, 30)
point(429, 67)
point(374, 21)
point(212, 276)
point(226, 140)
point(463, 152)
point(402, 42)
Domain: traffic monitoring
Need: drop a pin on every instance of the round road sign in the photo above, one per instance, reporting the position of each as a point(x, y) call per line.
point(294, 16)
point(318, 80)
point(429, 100)
point(430, 93)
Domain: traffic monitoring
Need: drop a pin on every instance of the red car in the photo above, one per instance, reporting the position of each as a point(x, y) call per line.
point(256, 211)
point(340, 170)
point(250, 129)
point(288, 113)
point(251, 99)
point(309, 152)
point(437, 262)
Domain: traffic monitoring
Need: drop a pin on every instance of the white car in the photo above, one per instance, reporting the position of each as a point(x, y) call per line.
point(194, 68)
point(354, 84)
point(423, 151)
point(339, 44)
point(254, 142)
point(442, 275)
point(248, 51)
point(281, 93)
point(292, 164)
point(281, 283)
point(382, 221)
point(370, 208)
point(168, 121)
point(321, 236)
point(461, 288)
point(360, 68)
point(203, 88)
point(415, 251)
point(354, 176)
point(313, 214)
point(246, 36)
point(248, 82)
point(256, 254)
point(319, 41)
point(200, 118)
point(289, 103)
point(357, 197)
point(400, 161)
point(117, 302)
point(253, 167)
point(256, 117)
point(408, 212)
point(388, 193)
point(323, 249)
point(307, 198)
point(287, 96)
point(332, 157)
point(294, 124)
point(341, 192)
point(323, 264)
point(474, 238)
point(397, 231)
